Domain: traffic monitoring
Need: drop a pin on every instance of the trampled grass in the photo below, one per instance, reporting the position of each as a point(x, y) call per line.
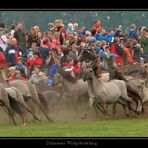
point(134, 127)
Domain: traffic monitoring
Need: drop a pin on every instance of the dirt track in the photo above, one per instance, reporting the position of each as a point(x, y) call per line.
point(69, 115)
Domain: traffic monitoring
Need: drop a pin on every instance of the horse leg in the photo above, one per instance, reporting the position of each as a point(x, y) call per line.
point(44, 112)
point(10, 113)
point(129, 104)
point(104, 106)
point(23, 118)
point(31, 112)
point(125, 105)
point(31, 109)
point(139, 106)
point(76, 103)
point(90, 103)
point(114, 108)
point(125, 109)
point(95, 106)
point(99, 107)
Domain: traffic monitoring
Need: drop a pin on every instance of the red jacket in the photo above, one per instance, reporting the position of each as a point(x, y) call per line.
point(69, 65)
point(96, 27)
point(32, 62)
point(2, 60)
point(76, 69)
point(11, 78)
point(119, 60)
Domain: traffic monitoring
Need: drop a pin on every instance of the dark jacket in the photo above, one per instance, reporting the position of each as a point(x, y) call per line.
point(133, 34)
point(12, 54)
point(44, 52)
point(20, 36)
point(33, 39)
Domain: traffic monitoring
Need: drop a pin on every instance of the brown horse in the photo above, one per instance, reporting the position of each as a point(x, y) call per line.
point(132, 85)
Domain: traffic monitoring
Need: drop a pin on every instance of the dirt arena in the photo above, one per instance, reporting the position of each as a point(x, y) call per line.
point(69, 115)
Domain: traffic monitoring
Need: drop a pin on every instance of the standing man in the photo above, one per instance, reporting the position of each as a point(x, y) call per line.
point(144, 44)
point(20, 36)
point(13, 52)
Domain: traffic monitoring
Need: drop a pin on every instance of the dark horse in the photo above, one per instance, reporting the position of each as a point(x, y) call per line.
point(131, 84)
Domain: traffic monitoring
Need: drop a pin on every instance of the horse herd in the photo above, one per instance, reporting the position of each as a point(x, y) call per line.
point(113, 87)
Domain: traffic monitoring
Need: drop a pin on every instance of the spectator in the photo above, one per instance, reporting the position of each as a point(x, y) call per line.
point(13, 52)
point(33, 37)
point(2, 60)
point(37, 76)
point(20, 37)
point(11, 73)
point(22, 67)
point(118, 51)
point(137, 51)
point(53, 55)
point(128, 55)
point(133, 32)
point(70, 29)
point(55, 68)
point(18, 75)
point(144, 44)
point(37, 30)
point(44, 52)
point(65, 56)
point(13, 29)
point(30, 51)
point(73, 52)
point(97, 26)
point(56, 42)
point(35, 60)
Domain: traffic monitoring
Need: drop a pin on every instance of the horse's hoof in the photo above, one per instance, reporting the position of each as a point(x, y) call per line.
point(24, 124)
point(83, 118)
point(113, 113)
point(39, 119)
point(107, 117)
point(127, 114)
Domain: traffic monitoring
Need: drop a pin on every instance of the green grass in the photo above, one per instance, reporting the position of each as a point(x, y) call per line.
point(112, 128)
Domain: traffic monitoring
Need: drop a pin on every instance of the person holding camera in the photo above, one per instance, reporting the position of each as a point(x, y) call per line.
point(52, 56)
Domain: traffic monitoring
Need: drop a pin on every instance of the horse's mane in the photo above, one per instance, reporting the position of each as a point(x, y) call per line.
point(68, 76)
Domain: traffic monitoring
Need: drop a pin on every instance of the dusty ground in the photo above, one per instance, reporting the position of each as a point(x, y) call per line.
point(69, 115)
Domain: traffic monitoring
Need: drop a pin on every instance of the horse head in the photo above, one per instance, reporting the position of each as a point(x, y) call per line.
point(88, 73)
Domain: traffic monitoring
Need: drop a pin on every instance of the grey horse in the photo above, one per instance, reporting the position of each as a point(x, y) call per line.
point(104, 93)
point(4, 101)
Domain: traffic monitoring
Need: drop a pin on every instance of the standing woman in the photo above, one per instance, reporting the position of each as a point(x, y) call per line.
point(33, 37)
point(56, 42)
